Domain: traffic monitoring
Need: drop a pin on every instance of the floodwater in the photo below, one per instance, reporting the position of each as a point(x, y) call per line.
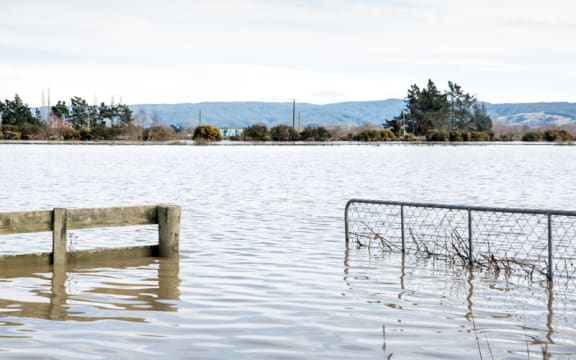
point(264, 271)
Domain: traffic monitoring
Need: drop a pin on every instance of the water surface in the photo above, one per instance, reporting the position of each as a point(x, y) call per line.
point(264, 272)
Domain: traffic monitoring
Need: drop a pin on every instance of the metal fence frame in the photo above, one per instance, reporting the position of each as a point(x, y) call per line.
point(470, 210)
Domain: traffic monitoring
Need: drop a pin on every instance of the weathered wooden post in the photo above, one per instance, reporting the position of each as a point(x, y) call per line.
point(169, 230)
point(59, 235)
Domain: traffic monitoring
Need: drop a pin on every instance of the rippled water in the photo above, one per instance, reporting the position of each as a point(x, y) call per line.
point(263, 271)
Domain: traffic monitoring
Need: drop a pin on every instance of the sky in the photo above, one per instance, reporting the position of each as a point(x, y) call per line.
point(316, 51)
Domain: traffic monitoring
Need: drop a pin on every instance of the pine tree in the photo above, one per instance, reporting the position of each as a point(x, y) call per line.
point(79, 116)
point(430, 109)
point(17, 113)
point(61, 111)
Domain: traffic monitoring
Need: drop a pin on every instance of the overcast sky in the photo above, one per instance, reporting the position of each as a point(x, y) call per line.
point(319, 51)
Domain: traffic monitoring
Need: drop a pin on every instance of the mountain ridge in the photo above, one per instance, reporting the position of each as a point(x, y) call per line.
point(351, 113)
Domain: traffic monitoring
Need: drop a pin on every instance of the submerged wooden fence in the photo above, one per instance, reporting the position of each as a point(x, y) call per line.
point(60, 220)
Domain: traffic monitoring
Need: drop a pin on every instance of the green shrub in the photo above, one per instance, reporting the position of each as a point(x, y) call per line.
point(69, 133)
point(159, 133)
point(85, 134)
point(99, 133)
point(374, 135)
point(532, 136)
point(30, 131)
point(558, 135)
point(409, 137)
point(387, 134)
point(207, 133)
point(256, 132)
point(105, 133)
point(479, 136)
point(11, 135)
point(437, 135)
point(315, 133)
point(506, 137)
point(368, 135)
point(456, 135)
point(283, 133)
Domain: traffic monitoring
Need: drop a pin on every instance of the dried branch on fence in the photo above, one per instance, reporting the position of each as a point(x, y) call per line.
point(422, 246)
point(455, 248)
point(460, 247)
point(510, 265)
point(385, 245)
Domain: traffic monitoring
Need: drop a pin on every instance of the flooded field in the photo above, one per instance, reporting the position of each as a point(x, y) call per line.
point(264, 271)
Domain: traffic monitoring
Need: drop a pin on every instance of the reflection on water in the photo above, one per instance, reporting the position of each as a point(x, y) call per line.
point(116, 290)
point(460, 308)
point(260, 272)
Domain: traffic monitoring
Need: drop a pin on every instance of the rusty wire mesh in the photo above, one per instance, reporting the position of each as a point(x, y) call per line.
point(510, 241)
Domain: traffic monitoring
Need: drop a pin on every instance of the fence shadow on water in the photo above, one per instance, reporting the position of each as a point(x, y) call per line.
point(512, 242)
point(62, 292)
point(473, 312)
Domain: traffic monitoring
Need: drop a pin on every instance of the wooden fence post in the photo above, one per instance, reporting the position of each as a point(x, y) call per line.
point(169, 230)
point(59, 236)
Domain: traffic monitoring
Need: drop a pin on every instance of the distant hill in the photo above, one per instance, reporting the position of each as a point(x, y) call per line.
point(533, 114)
point(537, 119)
point(242, 114)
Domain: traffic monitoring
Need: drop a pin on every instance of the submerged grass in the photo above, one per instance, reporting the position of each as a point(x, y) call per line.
point(453, 248)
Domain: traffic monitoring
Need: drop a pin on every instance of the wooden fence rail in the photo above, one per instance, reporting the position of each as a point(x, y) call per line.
point(60, 220)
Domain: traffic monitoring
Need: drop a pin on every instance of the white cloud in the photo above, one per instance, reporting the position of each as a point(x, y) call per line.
point(253, 49)
point(199, 82)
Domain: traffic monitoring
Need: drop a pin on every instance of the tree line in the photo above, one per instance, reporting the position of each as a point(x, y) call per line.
point(76, 120)
point(428, 114)
point(80, 115)
point(431, 110)
point(16, 118)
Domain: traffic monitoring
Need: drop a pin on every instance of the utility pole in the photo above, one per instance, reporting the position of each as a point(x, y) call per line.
point(299, 121)
point(294, 114)
point(42, 117)
point(199, 117)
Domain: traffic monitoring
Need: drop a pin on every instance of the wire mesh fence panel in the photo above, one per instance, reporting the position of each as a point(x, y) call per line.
point(514, 241)
point(564, 246)
point(375, 225)
point(436, 231)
